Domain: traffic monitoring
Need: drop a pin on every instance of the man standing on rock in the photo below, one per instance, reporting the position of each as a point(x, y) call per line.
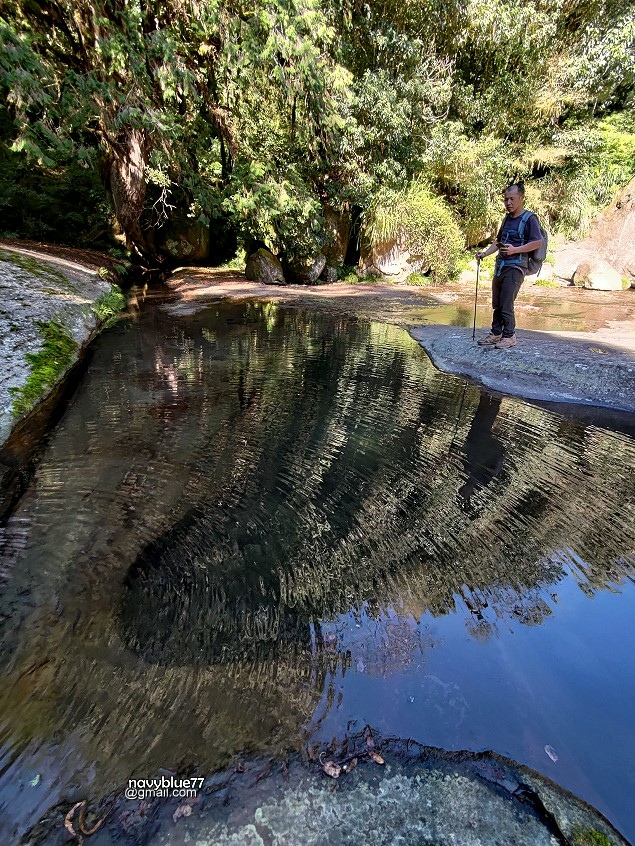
point(516, 238)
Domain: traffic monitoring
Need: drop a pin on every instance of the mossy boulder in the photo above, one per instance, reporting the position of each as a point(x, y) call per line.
point(263, 266)
point(50, 309)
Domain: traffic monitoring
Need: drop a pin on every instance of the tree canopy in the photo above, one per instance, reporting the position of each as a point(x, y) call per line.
point(259, 116)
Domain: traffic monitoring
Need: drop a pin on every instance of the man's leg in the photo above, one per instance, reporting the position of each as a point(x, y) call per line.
point(497, 317)
point(497, 327)
point(511, 280)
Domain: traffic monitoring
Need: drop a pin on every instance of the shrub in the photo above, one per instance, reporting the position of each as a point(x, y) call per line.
point(423, 222)
point(66, 204)
point(418, 279)
point(280, 209)
point(348, 274)
point(585, 171)
point(108, 307)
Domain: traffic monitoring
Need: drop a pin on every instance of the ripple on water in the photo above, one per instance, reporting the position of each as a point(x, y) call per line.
point(258, 523)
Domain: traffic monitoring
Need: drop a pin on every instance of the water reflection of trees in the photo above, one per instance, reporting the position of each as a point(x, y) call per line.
point(349, 495)
point(226, 482)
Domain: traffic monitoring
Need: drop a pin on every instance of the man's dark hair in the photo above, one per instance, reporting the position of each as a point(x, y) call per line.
point(519, 185)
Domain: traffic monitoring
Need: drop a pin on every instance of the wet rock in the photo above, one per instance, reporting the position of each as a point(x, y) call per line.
point(542, 366)
point(599, 275)
point(329, 275)
point(307, 271)
point(263, 266)
point(36, 291)
point(434, 797)
point(9, 487)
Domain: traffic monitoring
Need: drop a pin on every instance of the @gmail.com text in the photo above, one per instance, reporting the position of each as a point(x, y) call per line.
point(165, 787)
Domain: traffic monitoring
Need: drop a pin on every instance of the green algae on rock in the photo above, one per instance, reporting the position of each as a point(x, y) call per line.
point(47, 365)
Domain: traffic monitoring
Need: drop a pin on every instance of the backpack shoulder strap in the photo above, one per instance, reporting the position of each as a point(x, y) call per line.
point(523, 221)
point(501, 227)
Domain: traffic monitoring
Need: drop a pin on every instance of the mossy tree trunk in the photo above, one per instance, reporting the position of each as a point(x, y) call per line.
point(125, 176)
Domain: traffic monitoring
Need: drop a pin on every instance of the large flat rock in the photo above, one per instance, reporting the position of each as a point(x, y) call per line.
point(542, 366)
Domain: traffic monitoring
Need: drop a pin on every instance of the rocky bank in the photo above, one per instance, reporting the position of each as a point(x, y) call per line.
point(50, 308)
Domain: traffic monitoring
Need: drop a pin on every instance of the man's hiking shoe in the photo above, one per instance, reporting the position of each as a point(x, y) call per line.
point(506, 343)
point(490, 340)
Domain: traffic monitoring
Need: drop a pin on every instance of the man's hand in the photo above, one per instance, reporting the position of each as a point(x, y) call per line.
point(486, 252)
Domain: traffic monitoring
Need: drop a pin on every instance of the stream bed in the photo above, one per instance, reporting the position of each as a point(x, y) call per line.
point(259, 528)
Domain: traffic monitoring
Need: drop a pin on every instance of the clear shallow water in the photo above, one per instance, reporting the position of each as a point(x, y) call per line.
point(256, 528)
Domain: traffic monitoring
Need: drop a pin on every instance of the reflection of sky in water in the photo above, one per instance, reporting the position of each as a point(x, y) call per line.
point(567, 683)
point(257, 523)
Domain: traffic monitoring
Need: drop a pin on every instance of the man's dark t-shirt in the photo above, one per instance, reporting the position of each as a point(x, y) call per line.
point(509, 235)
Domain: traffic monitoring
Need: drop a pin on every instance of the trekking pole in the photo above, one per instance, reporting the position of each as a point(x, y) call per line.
point(478, 267)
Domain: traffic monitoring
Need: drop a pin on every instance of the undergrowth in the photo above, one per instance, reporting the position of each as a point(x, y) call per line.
point(420, 222)
point(108, 306)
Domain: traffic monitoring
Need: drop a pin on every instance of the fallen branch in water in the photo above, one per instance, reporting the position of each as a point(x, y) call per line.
point(81, 819)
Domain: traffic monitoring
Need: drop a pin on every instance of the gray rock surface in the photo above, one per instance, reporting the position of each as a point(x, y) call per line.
point(485, 801)
point(338, 225)
point(546, 274)
point(543, 366)
point(262, 266)
point(611, 238)
point(329, 275)
point(390, 258)
point(36, 289)
point(185, 238)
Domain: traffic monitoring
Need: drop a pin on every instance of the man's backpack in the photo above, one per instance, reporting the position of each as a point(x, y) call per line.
point(537, 256)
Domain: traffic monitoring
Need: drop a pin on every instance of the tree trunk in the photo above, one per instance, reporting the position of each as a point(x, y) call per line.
point(126, 161)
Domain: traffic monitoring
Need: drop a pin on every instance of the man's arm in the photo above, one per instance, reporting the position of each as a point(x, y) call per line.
point(488, 252)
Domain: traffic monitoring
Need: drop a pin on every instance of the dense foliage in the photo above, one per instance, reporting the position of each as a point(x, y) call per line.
point(423, 221)
point(256, 117)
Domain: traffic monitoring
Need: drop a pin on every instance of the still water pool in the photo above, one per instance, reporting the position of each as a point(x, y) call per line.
point(258, 528)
